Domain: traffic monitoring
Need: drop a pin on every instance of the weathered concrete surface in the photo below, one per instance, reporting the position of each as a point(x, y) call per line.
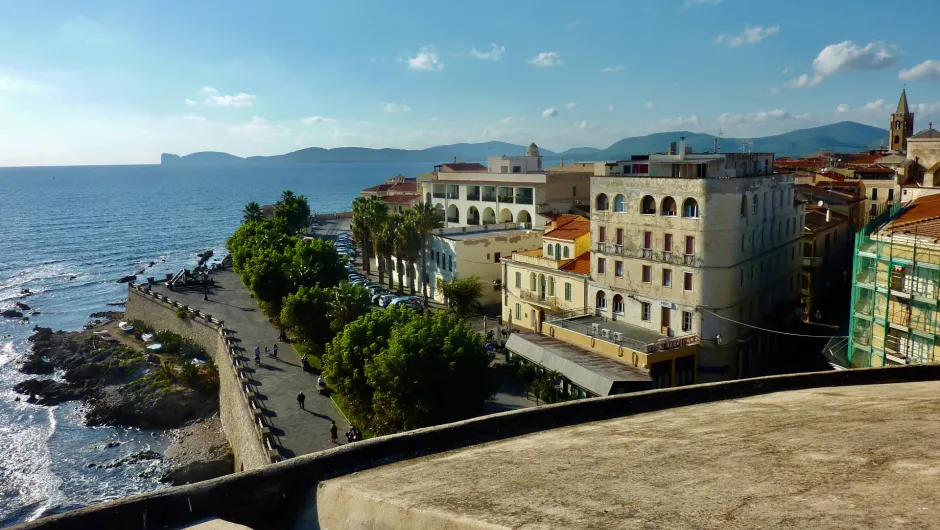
point(850, 457)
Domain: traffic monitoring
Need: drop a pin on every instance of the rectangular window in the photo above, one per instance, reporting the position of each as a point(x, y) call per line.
point(645, 311)
point(687, 281)
point(568, 291)
point(518, 312)
point(601, 234)
point(874, 194)
point(618, 269)
point(518, 280)
point(437, 258)
point(496, 258)
point(647, 240)
point(647, 274)
point(601, 266)
point(891, 194)
point(665, 317)
point(675, 171)
point(667, 277)
point(667, 243)
point(620, 236)
point(686, 321)
point(574, 191)
point(689, 245)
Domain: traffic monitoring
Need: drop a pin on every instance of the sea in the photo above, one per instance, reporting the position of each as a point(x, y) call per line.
point(66, 234)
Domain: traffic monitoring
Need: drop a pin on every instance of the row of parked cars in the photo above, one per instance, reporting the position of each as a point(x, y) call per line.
point(381, 296)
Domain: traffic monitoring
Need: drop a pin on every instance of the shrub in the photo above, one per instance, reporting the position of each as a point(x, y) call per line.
point(182, 314)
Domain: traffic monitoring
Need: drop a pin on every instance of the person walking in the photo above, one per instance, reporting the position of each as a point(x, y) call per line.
point(300, 399)
point(274, 351)
point(333, 430)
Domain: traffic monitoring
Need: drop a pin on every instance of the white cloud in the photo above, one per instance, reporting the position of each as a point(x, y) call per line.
point(434, 118)
point(396, 107)
point(774, 91)
point(238, 100)
point(610, 108)
point(23, 85)
point(193, 117)
point(510, 119)
point(608, 69)
point(877, 105)
point(546, 59)
point(928, 69)
point(754, 117)
point(924, 110)
point(209, 90)
point(190, 102)
point(842, 108)
point(318, 119)
point(650, 104)
point(584, 124)
point(805, 81)
point(785, 71)
point(845, 56)
point(493, 54)
point(682, 121)
point(257, 126)
point(571, 105)
point(425, 60)
point(690, 3)
point(749, 36)
point(549, 113)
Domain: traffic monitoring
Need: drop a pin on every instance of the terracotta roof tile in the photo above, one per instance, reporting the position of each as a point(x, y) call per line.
point(403, 198)
point(921, 217)
point(570, 231)
point(580, 265)
point(454, 167)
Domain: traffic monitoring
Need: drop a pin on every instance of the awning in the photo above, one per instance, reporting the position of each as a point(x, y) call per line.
point(591, 371)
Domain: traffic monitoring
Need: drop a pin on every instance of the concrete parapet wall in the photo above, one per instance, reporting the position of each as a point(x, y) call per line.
point(239, 412)
point(284, 495)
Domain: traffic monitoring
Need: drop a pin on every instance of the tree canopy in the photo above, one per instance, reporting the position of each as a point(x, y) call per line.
point(463, 295)
point(294, 209)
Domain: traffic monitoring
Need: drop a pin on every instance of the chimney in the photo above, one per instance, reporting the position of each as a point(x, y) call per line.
point(682, 147)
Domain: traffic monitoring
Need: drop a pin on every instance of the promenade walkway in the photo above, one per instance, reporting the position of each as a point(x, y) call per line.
point(278, 382)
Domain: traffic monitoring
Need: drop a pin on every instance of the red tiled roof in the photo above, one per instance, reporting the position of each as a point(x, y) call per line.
point(921, 217)
point(380, 187)
point(571, 230)
point(869, 159)
point(580, 265)
point(557, 220)
point(875, 169)
point(402, 198)
point(456, 167)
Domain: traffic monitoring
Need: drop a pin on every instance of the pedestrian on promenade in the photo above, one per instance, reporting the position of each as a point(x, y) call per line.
point(266, 353)
point(333, 430)
point(274, 350)
point(300, 399)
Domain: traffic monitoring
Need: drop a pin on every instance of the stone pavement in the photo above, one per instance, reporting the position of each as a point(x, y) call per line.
point(277, 382)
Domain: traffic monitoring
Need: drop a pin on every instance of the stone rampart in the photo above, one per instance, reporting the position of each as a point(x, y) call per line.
point(284, 495)
point(242, 415)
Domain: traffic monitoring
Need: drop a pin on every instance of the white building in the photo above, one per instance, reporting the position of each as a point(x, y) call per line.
point(686, 245)
point(510, 189)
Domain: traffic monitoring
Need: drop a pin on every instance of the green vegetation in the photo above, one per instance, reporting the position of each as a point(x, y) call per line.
point(540, 383)
point(463, 295)
point(182, 314)
point(252, 213)
point(399, 370)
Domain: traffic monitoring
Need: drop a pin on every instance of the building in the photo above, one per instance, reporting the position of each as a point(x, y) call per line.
point(902, 124)
point(509, 189)
point(399, 192)
point(920, 172)
point(826, 257)
point(465, 251)
point(687, 246)
point(844, 198)
point(895, 279)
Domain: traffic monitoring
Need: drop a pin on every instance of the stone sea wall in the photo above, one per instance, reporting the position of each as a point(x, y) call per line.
point(239, 410)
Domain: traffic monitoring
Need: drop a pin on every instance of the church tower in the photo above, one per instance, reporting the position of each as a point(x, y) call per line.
point(902, 124)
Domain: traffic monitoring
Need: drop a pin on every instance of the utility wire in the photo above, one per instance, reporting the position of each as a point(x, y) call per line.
point(778, 332)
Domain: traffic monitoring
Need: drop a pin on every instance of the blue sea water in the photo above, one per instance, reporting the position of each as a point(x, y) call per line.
point(98, 224)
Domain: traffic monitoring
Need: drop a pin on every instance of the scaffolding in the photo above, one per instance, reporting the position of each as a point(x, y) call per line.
point(894, 312)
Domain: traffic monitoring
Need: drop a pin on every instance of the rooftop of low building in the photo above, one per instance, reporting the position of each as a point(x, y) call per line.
point(570, 230)
point(816, 218)
point(462, 233)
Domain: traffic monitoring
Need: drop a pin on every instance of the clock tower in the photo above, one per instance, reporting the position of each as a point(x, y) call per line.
point(902, 125)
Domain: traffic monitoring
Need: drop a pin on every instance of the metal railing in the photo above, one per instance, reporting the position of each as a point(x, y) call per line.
point(521, 199)
point(473, 196)
point(438, 195)
point(540, 298)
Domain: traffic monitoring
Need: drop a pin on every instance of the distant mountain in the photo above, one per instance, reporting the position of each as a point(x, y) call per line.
point(843, 136)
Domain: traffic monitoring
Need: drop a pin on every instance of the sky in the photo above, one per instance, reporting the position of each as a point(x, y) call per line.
point(120, 82)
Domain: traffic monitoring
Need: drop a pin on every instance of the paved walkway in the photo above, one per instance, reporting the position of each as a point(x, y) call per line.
point(277, 382)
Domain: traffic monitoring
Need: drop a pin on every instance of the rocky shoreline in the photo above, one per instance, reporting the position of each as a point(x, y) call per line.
point(199, 452)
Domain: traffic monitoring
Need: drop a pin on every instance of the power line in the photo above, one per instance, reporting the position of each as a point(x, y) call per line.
point(778, 332)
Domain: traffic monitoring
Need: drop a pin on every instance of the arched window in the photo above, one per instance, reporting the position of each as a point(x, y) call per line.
point(897, 125)
point(756, 206)
point(518, 280)
point(551, 286)
point(648, 205)
point(620, 203)
point(744, 206)
point(601, 300)
point(669, 207)
point(690, 208)
point(618, 304)
point(567, 255)
point(601, 202)
point(557, 251)
point(532, 286)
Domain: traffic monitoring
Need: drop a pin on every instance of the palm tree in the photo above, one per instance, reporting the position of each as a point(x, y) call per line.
point(349, 303)
point(368, 216)
point(425, 218)
point(402, 232)
point(384, 246)
point(287, 196)
point(410, 245)
point(252, 213)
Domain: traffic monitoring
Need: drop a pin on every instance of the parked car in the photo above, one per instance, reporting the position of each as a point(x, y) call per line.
point(385, 299)
point(412, 302)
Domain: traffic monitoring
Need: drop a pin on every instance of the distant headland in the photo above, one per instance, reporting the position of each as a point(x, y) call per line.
point(842, 136)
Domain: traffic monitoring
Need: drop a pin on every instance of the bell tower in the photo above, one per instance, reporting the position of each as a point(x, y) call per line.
point(902, 124)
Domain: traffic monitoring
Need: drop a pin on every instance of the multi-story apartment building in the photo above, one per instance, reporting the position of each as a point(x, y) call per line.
point(896, 276)
point(690, 245)
point(920, 172)
point(509, 189)
point(827, 240)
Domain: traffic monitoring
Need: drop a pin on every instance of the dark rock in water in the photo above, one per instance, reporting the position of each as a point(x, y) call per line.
point(11, 313)
point(25, 292)
point(135, 458)
point(72, 277)
point(111, 315)
point(36, 366)
point(21, 305)
point(47, 391)
point(125, 279)
point(35, 312)
point(111, 444)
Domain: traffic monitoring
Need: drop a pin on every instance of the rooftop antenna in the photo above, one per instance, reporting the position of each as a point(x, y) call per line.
point(746, 145)
point(721, 133)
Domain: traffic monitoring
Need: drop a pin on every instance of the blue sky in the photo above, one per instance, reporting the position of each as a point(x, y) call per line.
point(108, 82)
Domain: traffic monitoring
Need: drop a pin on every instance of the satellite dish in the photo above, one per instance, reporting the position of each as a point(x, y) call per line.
point(820, 203)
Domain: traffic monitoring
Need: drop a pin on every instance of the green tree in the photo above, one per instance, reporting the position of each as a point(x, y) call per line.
point(294, 209)
point(305, 312)
point(463, 295)
point(425, 218)
point(349, 303)
point(267, 276)
point(252, 213)
point(435, 370)
point(368, 216)
point(384, 238)
point(408, 245)
point(401, 232)
point(315, 261)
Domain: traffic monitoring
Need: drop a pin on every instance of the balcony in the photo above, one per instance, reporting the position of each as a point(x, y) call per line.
point(647, 253)
point(533, 297)
point(505, 199)
point(535, 257)
point(473, 196)
point(453, 195)
point(489, 197)
point(521, 199)
point(688, 259)
point(438, 194)
point(455, 220)
point(609, 337)
point(667, 256)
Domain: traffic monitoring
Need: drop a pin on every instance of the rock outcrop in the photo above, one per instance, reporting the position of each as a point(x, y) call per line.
point(199, 452)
